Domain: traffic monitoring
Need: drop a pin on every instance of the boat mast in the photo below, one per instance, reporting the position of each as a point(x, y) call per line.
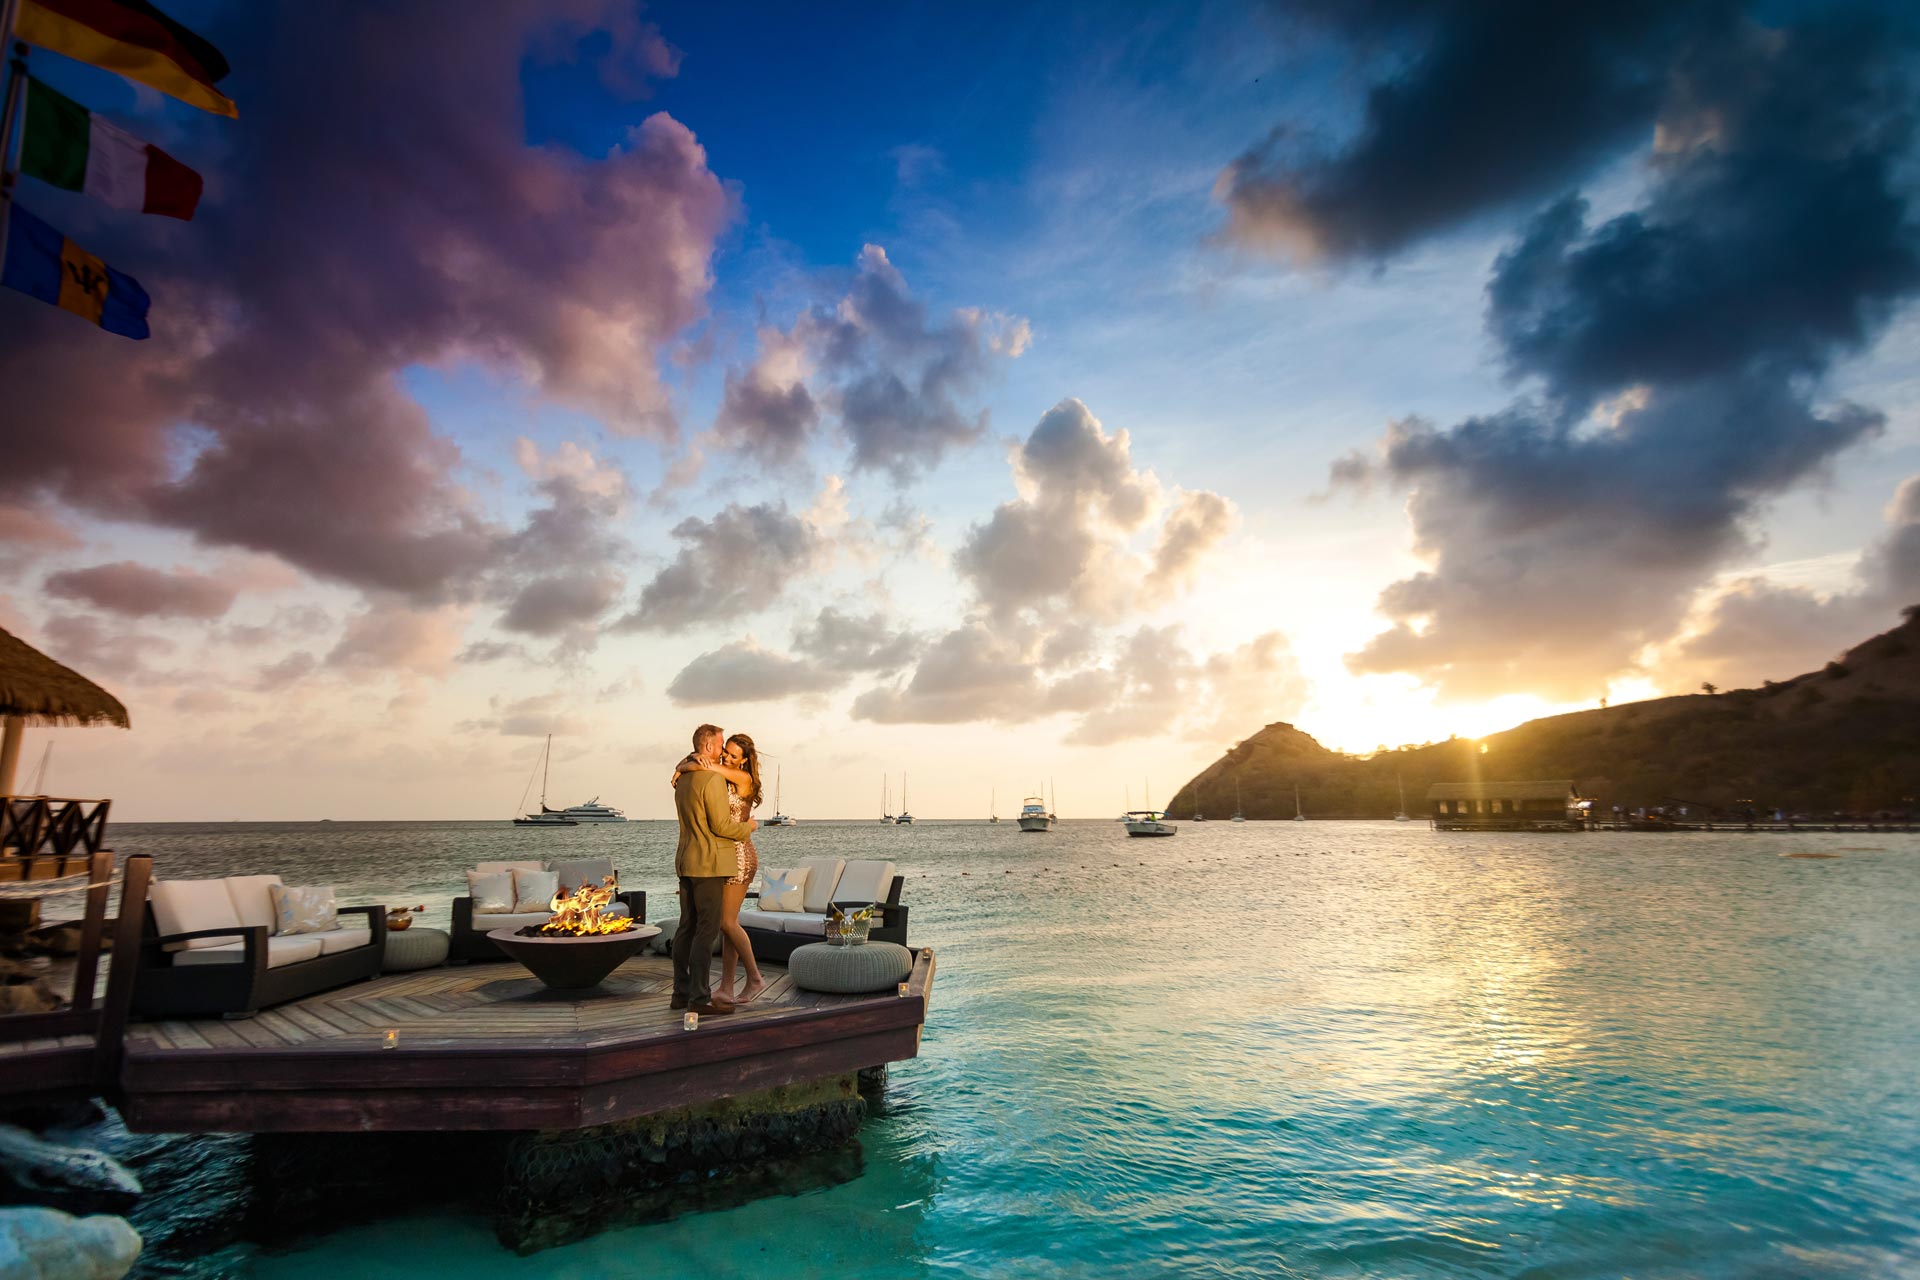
point(546, 762)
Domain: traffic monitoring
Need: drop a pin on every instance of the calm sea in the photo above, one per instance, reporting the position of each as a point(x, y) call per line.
point(1293, 1049)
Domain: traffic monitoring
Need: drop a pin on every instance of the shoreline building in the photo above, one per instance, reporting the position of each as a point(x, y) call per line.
point(1507, 806)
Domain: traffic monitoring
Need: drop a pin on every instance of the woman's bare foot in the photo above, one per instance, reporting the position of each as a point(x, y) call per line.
point(753, 988)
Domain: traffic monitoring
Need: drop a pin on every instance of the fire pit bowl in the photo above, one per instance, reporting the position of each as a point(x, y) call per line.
point(568, 963)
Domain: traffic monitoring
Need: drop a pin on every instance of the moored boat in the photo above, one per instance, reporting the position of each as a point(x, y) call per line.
point(1147, 822)
point(1034, 815)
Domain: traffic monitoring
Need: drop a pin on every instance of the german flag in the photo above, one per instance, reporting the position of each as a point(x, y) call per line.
point(134, 39)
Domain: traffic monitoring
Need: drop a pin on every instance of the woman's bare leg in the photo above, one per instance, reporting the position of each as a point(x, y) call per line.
point(734, 942)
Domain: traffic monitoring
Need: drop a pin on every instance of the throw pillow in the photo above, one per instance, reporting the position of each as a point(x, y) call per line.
point(533, 890)
point(303, 910)
point(782, 890)
point(491, 891)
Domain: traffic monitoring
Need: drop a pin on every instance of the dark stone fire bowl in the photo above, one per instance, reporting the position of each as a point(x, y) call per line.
point(569, 963)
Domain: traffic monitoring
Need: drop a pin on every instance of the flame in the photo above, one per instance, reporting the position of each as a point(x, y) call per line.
point(581, 913)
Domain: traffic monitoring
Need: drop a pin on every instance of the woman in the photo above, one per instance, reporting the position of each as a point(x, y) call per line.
point(740, 766)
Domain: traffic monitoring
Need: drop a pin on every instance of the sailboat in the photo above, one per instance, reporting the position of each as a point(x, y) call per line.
point(1197, 815)
point(778, 819)
point(905, 819)
point(992, 804)
point(886, 805)
point(1297, 815)
point(40, 775)
point(546, 817)
point(1238, 816)
point(1402, 815)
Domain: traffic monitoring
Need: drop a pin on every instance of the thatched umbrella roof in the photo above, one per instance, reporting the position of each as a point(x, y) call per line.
point(42, 692)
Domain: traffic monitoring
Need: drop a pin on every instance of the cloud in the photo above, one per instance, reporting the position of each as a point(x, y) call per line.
point(367, 215)
point(1148, 685)
point(1677, 350)
point(850, 643)
point(137, 591)
point(880, 365)
point(530, 717)
point(560, 573)
point(1756, 630)
point(292, 669)
point(1065, 542)
point(391, 636)
point(102, 652)
point(727, 567)
point(1487, 105)
point(745, 672)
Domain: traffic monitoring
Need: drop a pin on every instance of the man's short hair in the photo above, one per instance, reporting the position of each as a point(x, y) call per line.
point(703, 735)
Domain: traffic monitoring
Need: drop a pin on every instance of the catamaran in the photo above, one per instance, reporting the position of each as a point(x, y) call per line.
point(546, 817)
point(992, 797)
point(905, 819)
point(1147, 822)
point(778, 819)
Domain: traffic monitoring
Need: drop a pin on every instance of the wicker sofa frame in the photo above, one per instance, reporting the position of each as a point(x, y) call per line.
point(163, 989)
point(890, 926)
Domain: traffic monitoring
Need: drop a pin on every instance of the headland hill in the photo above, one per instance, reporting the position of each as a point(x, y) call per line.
point(1845, 738)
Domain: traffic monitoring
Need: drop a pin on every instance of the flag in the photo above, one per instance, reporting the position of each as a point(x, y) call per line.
point(68, 146)
point(134, 39)
point(46, 265)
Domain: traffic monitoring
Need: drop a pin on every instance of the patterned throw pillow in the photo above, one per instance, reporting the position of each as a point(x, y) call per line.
point(533, 890)
point(783, 890)
point(491, 891)
point(298, 910)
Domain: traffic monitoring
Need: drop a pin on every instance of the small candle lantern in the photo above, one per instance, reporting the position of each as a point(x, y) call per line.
point(689, 1021)
point(392, 1040)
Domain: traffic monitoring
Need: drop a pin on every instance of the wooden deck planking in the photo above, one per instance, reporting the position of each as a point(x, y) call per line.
point(485, 1046)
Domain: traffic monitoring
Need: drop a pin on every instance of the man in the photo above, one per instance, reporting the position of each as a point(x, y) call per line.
point(703, 862)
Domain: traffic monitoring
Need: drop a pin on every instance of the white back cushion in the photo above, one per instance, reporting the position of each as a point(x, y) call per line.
point(494, 868)
point(307, 909)
point(578, 871)
point(187, 906)
point(864, 882)
point(783, 890)
point(533, 891)
point(253, 898)
point(491, 891)
point(823, 874)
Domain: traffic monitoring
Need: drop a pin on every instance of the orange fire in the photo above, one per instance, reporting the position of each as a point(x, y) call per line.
point(582, 913)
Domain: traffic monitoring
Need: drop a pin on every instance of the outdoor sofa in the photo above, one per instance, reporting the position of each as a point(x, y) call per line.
point(209, 947)
point(467, 938)
point(831, 882)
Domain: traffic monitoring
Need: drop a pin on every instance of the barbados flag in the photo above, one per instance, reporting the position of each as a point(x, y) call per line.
point(46, 265)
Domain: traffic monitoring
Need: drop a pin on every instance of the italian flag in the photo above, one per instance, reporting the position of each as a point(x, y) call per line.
point(68, 146)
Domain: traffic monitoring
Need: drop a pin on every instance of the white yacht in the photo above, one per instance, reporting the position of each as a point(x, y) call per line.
point(1034, 815)
point(905, 819)
point(1147, 822)
point(593, 811)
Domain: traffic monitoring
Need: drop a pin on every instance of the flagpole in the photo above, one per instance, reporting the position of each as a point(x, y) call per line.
point(16, 86)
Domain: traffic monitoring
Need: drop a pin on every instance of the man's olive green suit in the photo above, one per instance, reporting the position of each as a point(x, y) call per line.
point(704, 862)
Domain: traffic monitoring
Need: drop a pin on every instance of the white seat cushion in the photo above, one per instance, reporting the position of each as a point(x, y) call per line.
point(487, 924)
point(280, 952)
point(767, 920)
point(495, 868)
point(187, 906)
point(823, 875)
point(253, 898)
point(334, 941)
point(865, 882)
point(811, 923)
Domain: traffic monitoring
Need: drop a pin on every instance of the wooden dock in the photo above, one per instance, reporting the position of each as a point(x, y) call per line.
point(487, 1047)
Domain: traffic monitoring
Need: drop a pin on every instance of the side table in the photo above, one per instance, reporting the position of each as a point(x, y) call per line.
point(414, 947)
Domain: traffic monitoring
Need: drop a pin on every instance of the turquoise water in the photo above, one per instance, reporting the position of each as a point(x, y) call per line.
point(1280, 1049)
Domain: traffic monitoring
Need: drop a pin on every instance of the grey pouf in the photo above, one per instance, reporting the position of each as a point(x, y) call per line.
point(847, 971)
point(413, 948)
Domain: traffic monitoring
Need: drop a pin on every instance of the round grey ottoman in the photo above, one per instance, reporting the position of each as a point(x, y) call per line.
point(413, 948)
point(878, 966)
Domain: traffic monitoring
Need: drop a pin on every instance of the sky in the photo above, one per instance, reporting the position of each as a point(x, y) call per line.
point(1001, 396)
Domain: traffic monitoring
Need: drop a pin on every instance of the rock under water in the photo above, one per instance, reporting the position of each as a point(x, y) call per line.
point(46, 1244)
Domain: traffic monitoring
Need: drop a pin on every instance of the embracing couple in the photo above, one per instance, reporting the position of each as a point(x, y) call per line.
point(715, 791)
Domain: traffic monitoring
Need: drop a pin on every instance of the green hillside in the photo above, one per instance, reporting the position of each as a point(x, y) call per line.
point(1846, 737)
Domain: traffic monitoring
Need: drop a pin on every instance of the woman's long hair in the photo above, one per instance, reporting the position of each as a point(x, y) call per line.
point(752, 754)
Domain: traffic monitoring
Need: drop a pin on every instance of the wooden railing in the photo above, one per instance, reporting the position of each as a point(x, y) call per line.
point(104, 1020)
point(42, 838)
